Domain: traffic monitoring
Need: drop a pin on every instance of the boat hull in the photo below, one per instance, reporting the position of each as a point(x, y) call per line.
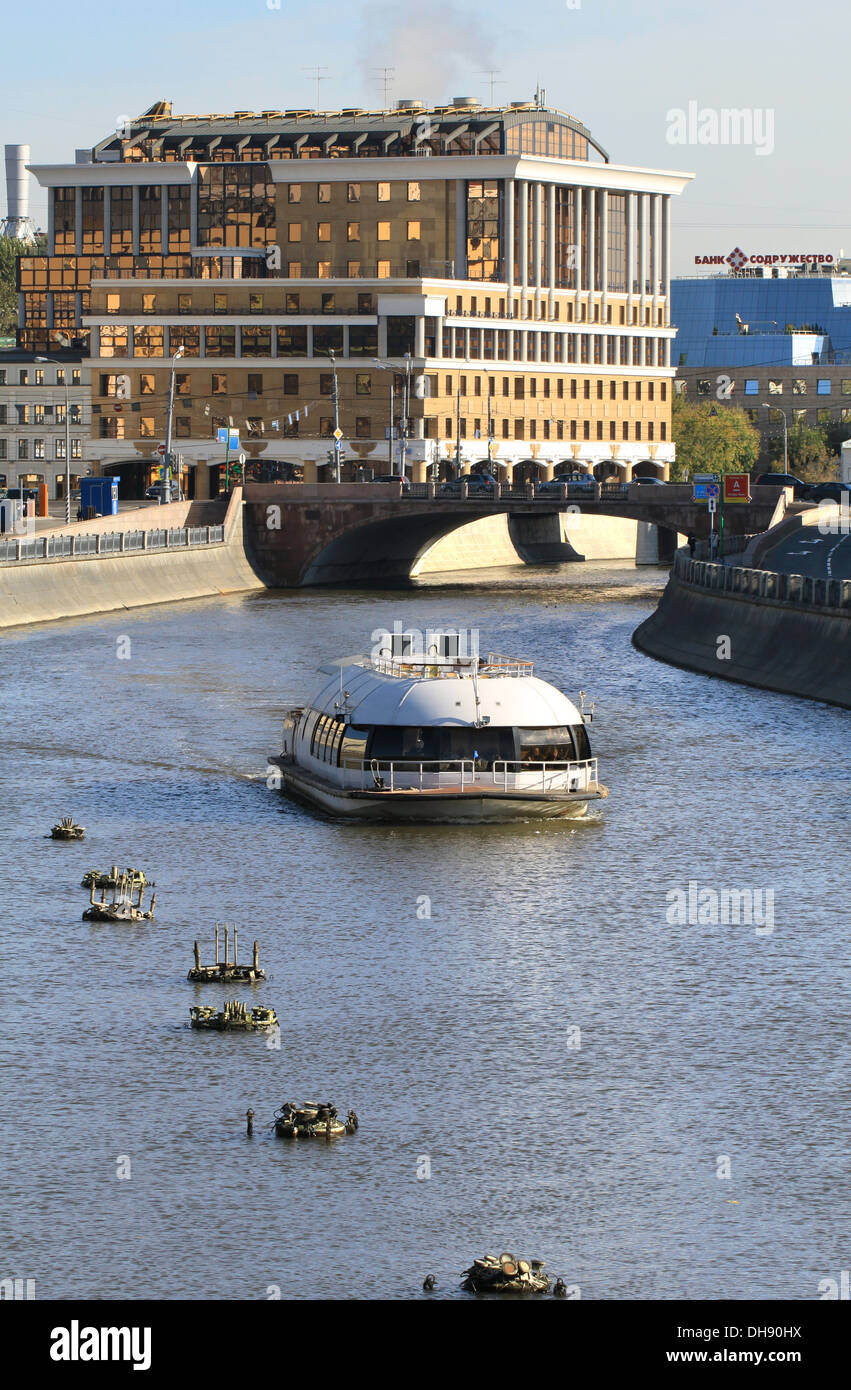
point(476, 806)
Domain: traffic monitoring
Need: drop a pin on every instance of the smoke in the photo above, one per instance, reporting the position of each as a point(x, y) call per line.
point(437, 51)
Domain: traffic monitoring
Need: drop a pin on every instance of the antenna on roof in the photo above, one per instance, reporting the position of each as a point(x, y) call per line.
point(317, 77)
point(387, 75)
point(491, 75)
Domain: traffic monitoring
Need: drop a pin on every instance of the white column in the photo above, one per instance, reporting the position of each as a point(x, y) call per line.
point(666, 256)
point(536, 247)
point(419, 336)
point(642, 250)
point(591, 198)
point(551, 245)
point(578, 207)
point(523, 213)
point(508, 213)
point(603, 195)
point(630, 253)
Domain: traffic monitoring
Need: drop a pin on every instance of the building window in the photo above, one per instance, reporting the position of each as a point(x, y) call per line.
point(324, 192)
point(751, 387)
point(326, 426)
point(294, 270)
point(413, 231)
point(323, 270)
point(384, 231)
point(146, 426)
point(823, 387)
point(290, 383)
point(113, 303)
point(294, 231)
point(845, 386)
point(184, 303)
point(147, 384)
point(255, 384)
point(219, 384)
point(414, 191)
point(76, 448)
point(775, 388)
point(255, 304)
point(323, 231)
point(182, 383)
point(149, 303)
point(353, 231)
point(363, 428)
point(76, 377)
point(363, 384)
point(384, 193)
point(326, 383)
point(353, 192)
point(329, 303)
point(383, 270)
point(220, 303)
point(182, 426)
point(799, 387)
point(353, 270)
point(38, 448)
point(294, 193)
point(704, 386)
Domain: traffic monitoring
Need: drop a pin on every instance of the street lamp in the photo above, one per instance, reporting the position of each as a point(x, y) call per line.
point(67, 441)
point(388, 367)
point(167, 478)
point(767, 406)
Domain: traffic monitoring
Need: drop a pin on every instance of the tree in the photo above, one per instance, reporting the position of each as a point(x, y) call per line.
point(809, 452)
point(10, 250)
point(711, 439)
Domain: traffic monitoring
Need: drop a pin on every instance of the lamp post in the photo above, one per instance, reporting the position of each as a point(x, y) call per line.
point(388, 367)
point(767, 406)
point(67, 443)
point(167, 459)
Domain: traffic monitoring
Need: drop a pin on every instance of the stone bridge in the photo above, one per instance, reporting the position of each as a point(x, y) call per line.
point(373, 533)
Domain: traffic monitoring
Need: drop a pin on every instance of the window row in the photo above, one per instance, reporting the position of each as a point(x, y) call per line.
point(39, 414)
point(774, 386)
point(520, 345)
point(222, 305)
point(37, 448)
point(296, 192)
point(35, 377)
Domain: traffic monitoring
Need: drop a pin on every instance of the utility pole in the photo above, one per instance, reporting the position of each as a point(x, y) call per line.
point(407, 409)
point(458, 433)
point(390, 436)
point(67, 444)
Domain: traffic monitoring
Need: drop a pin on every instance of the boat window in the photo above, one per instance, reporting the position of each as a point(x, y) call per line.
point(353, 745)
point(315, 731)
point(442, 745)
point(336, 738)
point(583, 747)
point(553, 745)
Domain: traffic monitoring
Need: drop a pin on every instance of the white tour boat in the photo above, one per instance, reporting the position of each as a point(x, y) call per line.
point(440, 737)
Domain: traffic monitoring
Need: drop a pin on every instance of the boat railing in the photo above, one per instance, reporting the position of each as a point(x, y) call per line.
point(397, 774)
point(442, 668)
point(514, 775)
point(407, 774)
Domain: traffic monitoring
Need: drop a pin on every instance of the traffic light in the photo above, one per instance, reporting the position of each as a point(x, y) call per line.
point(330, 457)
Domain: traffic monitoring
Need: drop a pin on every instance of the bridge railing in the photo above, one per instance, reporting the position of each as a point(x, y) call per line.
point(456, 489)
point(802, 590)
point(78, 546)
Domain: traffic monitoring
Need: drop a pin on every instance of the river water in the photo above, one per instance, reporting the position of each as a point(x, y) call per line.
point(546, 1064)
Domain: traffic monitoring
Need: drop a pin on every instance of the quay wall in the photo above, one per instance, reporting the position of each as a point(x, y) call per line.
point(492, 541)
point(785, 633)
point(41, 591)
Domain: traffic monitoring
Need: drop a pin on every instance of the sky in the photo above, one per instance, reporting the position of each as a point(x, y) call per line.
point(652, 82)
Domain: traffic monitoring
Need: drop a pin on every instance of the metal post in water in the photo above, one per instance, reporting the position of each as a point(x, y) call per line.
point(217, 943)
point(234, 947)
point(197, 956)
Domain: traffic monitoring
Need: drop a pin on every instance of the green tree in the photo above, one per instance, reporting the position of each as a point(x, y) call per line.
point(711, 439)
point(10, 250)
point(809, 452)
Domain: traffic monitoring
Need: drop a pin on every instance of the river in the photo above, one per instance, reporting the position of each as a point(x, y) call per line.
point(548, 1063)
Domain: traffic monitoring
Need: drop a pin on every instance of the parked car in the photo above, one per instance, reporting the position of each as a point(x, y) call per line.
point(831, 492)
point(648, 478)
point(393, 478)
point(156, 493)
point(476, 483)
point(14, 494)
point(802, 491)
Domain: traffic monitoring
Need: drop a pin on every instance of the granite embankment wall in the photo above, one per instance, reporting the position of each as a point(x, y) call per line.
point(785, 632)
point(490, 542)
point(43, 590)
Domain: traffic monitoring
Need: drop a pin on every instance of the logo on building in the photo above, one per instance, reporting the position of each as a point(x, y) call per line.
point(737, 258)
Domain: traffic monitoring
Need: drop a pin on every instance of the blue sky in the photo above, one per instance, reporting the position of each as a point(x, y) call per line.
point(621, 68)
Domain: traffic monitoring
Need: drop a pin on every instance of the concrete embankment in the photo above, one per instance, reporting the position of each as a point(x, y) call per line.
point(500, 540)
point(44, 590)
point(793, 637)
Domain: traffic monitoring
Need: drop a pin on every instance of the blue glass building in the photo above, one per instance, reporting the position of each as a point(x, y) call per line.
point(747, 321)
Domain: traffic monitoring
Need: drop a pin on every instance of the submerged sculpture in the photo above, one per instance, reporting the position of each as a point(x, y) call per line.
point(506, 1275)
point(234, 1017)
point(312, 1120)
point(67, 829)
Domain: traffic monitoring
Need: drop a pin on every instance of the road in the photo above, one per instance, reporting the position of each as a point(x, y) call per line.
point(806, 551)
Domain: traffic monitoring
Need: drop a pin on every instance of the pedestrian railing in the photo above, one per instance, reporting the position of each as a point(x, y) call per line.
point(459, 489)
point(769, 586)
point(77, 546)
point(466, 774)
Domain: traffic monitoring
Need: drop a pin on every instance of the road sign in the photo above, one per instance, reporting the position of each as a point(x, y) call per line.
point(713, 491)
point(161, 449)
point(737, 487)
point(712, 503)
point(699, 492)
point(222, 435)
point(338, 434)
point(705, 478)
